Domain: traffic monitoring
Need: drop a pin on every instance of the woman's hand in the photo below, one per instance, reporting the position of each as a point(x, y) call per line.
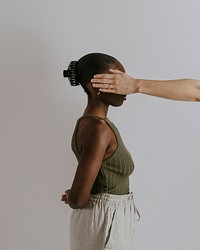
point(116, 82)
point(65, 196)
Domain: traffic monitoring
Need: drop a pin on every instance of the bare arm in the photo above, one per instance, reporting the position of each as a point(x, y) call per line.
point(181, 90)
point(121, 83)
point(94, 142)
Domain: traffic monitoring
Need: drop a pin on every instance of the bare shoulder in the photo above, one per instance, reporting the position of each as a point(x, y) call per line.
point(93, 130)
point(91, 126)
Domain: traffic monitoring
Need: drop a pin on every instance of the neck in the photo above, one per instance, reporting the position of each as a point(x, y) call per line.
point(97, 108)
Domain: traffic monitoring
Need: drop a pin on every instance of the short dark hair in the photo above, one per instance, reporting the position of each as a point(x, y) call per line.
point(95, 63)
point(82, 71)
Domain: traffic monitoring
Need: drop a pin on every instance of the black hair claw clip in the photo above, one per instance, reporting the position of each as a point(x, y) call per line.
point(70, 73)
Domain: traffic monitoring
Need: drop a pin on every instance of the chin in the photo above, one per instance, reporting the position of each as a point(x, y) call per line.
point(117, 104)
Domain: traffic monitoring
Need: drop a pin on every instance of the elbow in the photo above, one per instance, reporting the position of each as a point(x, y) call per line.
point(77, 202)
point(197, 99)
point(198, 92)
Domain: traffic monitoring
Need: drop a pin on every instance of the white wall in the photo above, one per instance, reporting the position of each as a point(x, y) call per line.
point(153, 39)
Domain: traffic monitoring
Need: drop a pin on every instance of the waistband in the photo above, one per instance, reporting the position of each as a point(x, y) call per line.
point(114, 201)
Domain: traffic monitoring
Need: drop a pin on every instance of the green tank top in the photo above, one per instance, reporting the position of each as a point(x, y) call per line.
point(113, 176)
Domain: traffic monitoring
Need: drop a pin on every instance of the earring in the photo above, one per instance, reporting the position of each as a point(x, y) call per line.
point(99, 92)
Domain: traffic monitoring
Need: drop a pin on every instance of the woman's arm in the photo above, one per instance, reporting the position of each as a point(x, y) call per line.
point(94, 142)
point(121, 83)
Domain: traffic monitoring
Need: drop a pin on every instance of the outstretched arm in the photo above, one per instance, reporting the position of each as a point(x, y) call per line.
point(121, 83)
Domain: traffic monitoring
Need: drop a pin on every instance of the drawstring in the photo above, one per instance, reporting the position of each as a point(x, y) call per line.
point(136, 212)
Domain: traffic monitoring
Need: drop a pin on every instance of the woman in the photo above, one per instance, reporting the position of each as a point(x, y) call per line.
point(121, 83)
point(103, 207)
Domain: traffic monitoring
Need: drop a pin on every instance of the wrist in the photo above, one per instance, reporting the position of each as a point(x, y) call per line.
point(138, 85)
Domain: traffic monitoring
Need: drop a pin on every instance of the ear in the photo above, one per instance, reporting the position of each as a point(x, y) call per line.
point(92, 90)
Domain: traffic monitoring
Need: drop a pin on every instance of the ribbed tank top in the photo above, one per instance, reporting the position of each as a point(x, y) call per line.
point(113, 176)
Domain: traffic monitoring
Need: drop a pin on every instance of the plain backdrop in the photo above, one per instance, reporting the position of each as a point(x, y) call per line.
point(154, 39)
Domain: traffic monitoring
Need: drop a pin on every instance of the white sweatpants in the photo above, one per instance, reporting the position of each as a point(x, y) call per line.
point(105, 223)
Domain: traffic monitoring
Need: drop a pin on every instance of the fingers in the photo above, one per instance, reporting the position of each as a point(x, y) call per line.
point(104, 85)
point(103, 76)
point(108, 83)
point(65, 197)
point(103, 80)
point(108, 90)
point(115, 71)
point(108, 76)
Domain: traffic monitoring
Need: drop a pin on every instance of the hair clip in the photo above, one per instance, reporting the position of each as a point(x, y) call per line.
point(70, 73)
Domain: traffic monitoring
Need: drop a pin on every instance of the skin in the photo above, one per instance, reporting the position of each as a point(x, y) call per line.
point(120, 83)
point(114, 86)
point(93, 152)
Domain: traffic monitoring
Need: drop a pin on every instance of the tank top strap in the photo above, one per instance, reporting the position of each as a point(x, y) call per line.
point(105, 119)
point(108, 122)
point(95, 116)
point(84, 116)
point(74, 143)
